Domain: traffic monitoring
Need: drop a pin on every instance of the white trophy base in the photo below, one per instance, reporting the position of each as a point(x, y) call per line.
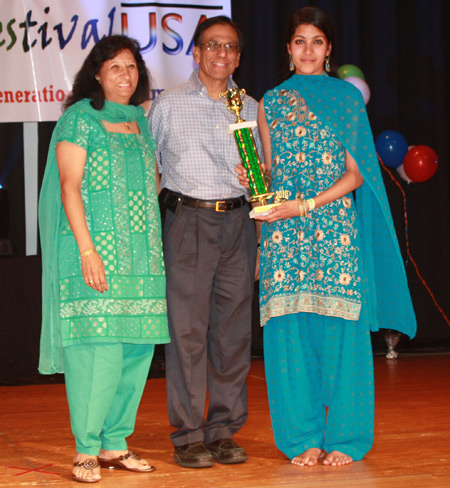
point(262, 210)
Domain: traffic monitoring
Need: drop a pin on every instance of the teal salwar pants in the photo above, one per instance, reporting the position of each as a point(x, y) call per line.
point(319, 373)
point(104, 384)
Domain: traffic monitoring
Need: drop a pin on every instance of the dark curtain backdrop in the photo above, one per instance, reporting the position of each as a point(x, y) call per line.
point(403, 48)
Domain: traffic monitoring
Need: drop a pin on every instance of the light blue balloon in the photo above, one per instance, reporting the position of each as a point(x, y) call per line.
point(392, 147)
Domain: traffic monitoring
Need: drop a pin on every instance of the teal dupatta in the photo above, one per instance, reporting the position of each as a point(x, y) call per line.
point(50, 211)
point(340, 105)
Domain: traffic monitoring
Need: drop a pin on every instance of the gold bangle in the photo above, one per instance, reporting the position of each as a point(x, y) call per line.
point(301, 208)
point(86, 253)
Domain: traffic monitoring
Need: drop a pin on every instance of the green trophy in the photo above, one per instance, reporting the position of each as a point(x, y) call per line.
point(243, 135)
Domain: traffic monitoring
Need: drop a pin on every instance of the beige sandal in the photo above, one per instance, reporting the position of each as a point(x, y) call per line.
point(117, 463)
point(89, 464)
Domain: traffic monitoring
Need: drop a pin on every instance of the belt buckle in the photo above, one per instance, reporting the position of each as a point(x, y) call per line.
point(218, 203)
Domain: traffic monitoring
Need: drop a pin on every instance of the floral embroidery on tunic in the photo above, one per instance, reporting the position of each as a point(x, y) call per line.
point(309, 264)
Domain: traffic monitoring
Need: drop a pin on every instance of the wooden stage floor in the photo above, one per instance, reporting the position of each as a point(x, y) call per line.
point(412, 437)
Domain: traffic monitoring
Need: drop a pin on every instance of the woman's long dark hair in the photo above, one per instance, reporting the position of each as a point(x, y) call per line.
point(85, 84)
point(316, 17)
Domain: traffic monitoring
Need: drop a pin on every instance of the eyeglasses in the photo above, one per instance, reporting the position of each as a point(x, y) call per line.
point(230, 47)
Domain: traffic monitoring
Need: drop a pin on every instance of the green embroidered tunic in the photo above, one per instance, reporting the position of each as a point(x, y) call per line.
point(119, 196)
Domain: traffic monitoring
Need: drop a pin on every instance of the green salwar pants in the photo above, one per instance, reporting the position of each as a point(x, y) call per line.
point(104, 385)
point(319, 374)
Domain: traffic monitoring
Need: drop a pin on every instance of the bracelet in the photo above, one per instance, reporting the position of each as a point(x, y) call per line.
point(311, 204)
point(301, 207)
point(86, 253)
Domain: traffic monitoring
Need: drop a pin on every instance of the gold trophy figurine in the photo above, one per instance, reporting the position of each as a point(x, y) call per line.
point(243, 135)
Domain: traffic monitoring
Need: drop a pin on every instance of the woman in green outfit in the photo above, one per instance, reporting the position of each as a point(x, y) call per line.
point(104, 306)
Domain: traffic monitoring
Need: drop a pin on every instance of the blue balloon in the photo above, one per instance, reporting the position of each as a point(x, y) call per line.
point(392, 147)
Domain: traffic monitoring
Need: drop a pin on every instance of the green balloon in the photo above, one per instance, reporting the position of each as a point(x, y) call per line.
point(348, 70)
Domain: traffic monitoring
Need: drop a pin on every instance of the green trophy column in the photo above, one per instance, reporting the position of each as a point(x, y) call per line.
point(251, 161)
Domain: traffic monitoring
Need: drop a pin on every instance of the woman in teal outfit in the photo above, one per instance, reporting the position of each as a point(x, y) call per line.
point(104, 305)
point(331, 270)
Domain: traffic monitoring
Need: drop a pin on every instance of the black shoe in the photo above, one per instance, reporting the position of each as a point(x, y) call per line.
point(226, 451)
point(193, 455)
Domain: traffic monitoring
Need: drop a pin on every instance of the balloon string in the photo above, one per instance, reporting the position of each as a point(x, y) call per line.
point(408, 252)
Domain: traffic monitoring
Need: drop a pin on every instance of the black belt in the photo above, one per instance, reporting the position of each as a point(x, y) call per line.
point(173, 201)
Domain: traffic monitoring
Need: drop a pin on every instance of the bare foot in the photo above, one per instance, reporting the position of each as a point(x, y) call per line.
point(134, 462)
point(336, 458)
point(87, 468)
point(309, 457)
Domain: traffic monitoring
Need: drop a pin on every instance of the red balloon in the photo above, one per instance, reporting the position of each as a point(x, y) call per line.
point(420, 163)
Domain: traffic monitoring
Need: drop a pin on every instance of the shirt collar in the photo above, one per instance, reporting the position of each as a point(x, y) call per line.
point(195, 85)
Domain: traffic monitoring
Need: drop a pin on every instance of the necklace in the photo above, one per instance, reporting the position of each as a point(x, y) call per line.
point(127, 125)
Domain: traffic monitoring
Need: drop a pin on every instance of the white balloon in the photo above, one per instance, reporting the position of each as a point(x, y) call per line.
point(401, 172)
point(362, 86)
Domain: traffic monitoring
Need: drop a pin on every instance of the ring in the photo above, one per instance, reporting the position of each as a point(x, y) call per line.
point(91, 281)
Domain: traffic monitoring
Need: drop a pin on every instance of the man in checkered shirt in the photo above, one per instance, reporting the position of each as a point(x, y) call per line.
point(210, 252)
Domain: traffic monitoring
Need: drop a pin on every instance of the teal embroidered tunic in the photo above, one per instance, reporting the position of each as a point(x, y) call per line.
point(314, 261)
point(120, 201)
point(343, 255)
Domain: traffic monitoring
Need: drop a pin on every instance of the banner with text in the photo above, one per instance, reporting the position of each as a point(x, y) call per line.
point(44, 43)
